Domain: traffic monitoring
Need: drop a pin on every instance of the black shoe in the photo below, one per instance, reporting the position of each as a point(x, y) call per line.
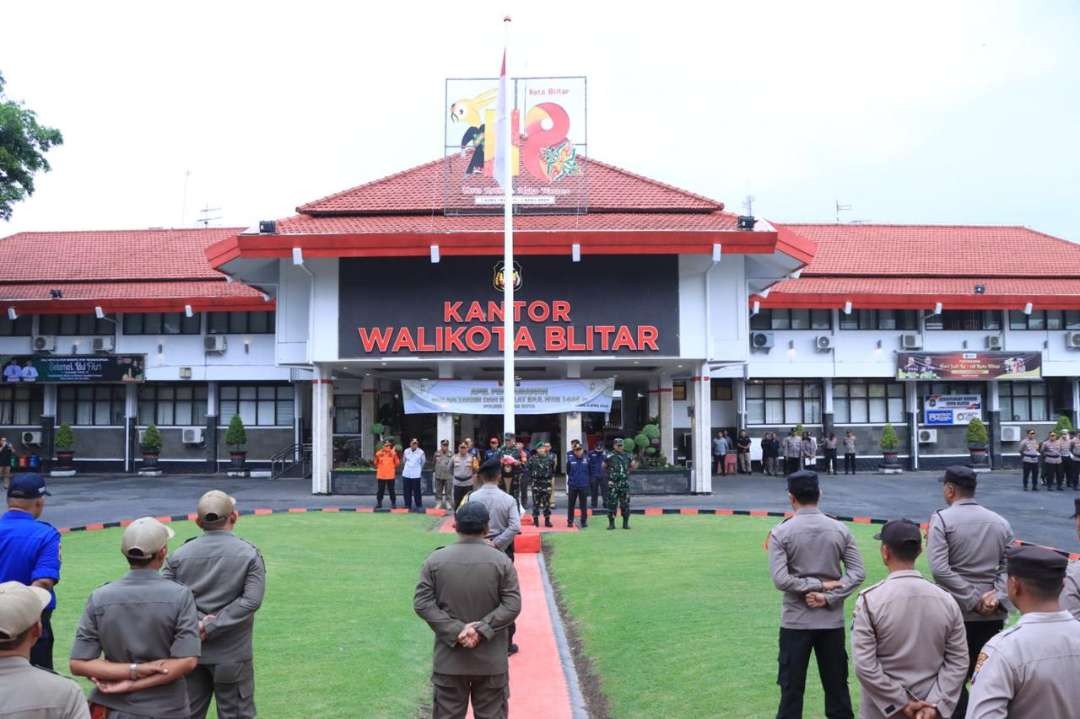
point(584, 525)
point(512, 649)
point(611, 522)
point(547, 522)
point(626, 523)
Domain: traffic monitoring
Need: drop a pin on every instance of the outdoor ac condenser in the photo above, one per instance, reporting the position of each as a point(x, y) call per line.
point(1072, 340)
point(214, 343)
point(104, 344)
point(1010, 434)
point(911, 342)
point(823, 343)
point(761, 340)
point(191, 435)
point(927, 436)
point(43, 343)
point(29, 438)
point(993, 342)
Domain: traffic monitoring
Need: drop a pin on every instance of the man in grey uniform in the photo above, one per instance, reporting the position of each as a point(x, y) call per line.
point(228, 578)
point(504, 517)
point(468, 594)
point(965, 547)
point(907, 636)
point(815, 563)
point(1030, 670)
point(147, 628)
point(25, 690)
point(1070, 595)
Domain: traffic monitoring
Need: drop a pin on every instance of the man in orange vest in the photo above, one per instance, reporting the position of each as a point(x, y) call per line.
point(386, 464)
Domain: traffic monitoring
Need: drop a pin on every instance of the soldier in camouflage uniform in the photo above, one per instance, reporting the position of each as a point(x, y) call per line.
point(618, 466)
point(541, 469)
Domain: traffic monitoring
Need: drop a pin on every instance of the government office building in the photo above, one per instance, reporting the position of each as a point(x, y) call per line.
point(366, 304)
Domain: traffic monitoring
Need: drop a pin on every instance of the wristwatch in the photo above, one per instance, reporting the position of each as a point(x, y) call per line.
point(134, 669)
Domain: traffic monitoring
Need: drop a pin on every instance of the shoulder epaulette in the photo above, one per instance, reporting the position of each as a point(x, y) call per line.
point(192, 539)
point(1011, 630)
point(871, 588)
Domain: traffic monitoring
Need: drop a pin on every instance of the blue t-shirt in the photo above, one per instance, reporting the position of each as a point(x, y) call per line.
point(29, 550)
point(596, 458)
point(577, 471)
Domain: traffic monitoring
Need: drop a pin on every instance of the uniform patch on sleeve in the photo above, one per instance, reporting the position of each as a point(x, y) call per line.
point(983, 656)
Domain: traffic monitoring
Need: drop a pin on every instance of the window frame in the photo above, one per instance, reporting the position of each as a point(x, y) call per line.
point(54, 325)
point(781, 395)
point(283, 393)
point(10, 402)
point(184, 325)
point(1007, 395)
point(893, 390)
point(114, 394)
point(1019, 322)
point(871, 320)
point(153, 395)
point(782, 319)
point(240, 323)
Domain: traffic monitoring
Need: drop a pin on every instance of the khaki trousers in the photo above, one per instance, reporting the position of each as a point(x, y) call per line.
point(490, 696)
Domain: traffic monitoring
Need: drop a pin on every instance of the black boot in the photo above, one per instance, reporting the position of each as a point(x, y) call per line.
point(536, 520)
point(547, 521)
point(611, 521)
point(626, 521)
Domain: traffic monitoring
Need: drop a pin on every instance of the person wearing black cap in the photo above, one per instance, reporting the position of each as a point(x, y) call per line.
point(814, 561)
point(1030, 670)
point(965, 547)
point(468, 594)
point(907, 636)
point(1070, 595)
point(30, 552)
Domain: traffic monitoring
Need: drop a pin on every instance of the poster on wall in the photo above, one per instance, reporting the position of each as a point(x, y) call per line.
point(24, 369)
point(981, 366)
point(950, 409)
point(486, 397)
point(547, 130)
point(405, 307)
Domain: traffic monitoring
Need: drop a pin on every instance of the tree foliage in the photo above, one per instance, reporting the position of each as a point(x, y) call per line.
point(236, 435)
point(23, 144)
point(151, 439)
point(64, 441)
point(889, 440)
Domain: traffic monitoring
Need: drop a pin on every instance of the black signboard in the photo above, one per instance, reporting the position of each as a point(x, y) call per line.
point(24, 369)
point(612, 305)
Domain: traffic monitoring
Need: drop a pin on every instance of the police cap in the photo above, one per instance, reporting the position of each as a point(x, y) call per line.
point(471, 517)
point(897, 532)
point(963, 477)
point(490, 467)
point(805, 480)
point(1039, 563)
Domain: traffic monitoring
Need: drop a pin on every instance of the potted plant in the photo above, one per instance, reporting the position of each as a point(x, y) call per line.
point(1064, 424)
point(151, 448)
point(236, 439)
point(889, 444)
point(976, 440)
point(64, 442)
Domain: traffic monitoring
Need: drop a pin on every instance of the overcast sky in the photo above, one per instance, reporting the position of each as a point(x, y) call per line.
point(937, 112)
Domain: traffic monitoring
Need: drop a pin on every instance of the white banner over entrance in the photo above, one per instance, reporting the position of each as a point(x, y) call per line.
point(486, 397)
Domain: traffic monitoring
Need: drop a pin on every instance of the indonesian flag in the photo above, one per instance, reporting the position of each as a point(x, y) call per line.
point(502, 131)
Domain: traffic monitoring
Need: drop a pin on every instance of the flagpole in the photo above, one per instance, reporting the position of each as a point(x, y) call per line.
point(505, 155)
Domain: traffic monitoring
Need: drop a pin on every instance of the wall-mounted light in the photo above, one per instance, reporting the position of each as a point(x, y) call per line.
point(756, 309)
point(937, 308)
point(963, 344)
point(575, 252)
point(879, 344)
point(161, 348)
point(791, 344)
point(717, 252)
point(188, 311)
point(12, 314)
point(298, 255)
point(75, 347)
point(1027, 308)
point(847, 307)
point(434, 249)
point(99, 313)
point(247, 345)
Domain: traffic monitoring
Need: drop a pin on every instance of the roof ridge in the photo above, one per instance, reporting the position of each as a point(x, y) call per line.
point(658, 183)
point(303, 209)
point(856, 225)
point(28, 233)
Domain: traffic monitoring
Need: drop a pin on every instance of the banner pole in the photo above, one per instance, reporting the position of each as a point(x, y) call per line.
point(506, 157)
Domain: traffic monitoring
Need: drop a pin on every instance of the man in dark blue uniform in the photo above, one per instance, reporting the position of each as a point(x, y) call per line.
point(577, 486)
point(30, 552)
point(597, 472)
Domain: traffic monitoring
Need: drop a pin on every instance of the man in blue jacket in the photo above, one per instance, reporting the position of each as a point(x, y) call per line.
point(597, 472)
point(577, 485)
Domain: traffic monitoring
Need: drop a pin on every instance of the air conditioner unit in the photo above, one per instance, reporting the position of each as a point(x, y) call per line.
point(1072, 340)
point(185, 373)
point(28, 438)
point(1010, 433)
point(761, 340)
point(43, 343)
point(911, 342)
point(191, 435)
point(927, 436)
point(993, 342)
point(214, 343)
point(104, 344)
point(823, 343)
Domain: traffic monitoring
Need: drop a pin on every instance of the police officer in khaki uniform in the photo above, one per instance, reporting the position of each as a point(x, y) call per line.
point(965, 547)
point(468, 594)
point(228, 578)
point(815, 563)
point(1053, 471)
point(1029, 460)
point(1030, 670)
point(148, 630)
point(25, 690)
point(907, 637)
point(1070, 595)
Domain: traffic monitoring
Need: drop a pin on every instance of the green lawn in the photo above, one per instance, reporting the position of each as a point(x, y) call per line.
point(679, 615)
point(336, 636)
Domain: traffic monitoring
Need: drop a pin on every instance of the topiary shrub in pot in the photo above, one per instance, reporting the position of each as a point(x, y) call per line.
point(890, 443)
point(64, 442)
point(976, 440)
point(150, 444)
point(236, 440)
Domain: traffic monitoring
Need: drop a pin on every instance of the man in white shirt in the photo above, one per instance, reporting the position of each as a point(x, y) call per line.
point(29, 373)
point(412, 465)
point(12, 371)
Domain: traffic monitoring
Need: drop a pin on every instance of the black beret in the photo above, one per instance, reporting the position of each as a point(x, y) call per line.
point(963, 477)
point(1031, 562)
point(805, 480)
point(471, 517)
point(900, 531)
point(491, 466)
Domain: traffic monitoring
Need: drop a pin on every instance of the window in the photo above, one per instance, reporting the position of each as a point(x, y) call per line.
point(678, 391)
point(90, 405)
point(778, 402)
point(346, 414)
point(257, 405)
point(863, 402)
point(22, 327)
point(20, 405)
point(880, 320)
point(76, 325)
point(965, 320)
point(240, 323)
point(785, 319)
point(171, 405)
point(159, 323)
point(1025, 401)
point(720, 390)
point(1043, 320)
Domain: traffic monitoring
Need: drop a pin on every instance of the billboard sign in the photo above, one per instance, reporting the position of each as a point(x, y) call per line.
point(950, 409)
point(486, 397)
point(978, 366)
point(27, 369)
point(547, 128)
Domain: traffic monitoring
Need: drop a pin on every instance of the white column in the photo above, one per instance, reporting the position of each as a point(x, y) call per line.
point(573, 428)
point(131, 414)
point(667, 417)
point(738, 389)
point(654, 396)
point(322, 444)
point(993, 399)
point(826, 395)
point(700, 428)
point(369, 393)
point(212, 399)
point(444, 429)
point(912, 399)
point(49, 394)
